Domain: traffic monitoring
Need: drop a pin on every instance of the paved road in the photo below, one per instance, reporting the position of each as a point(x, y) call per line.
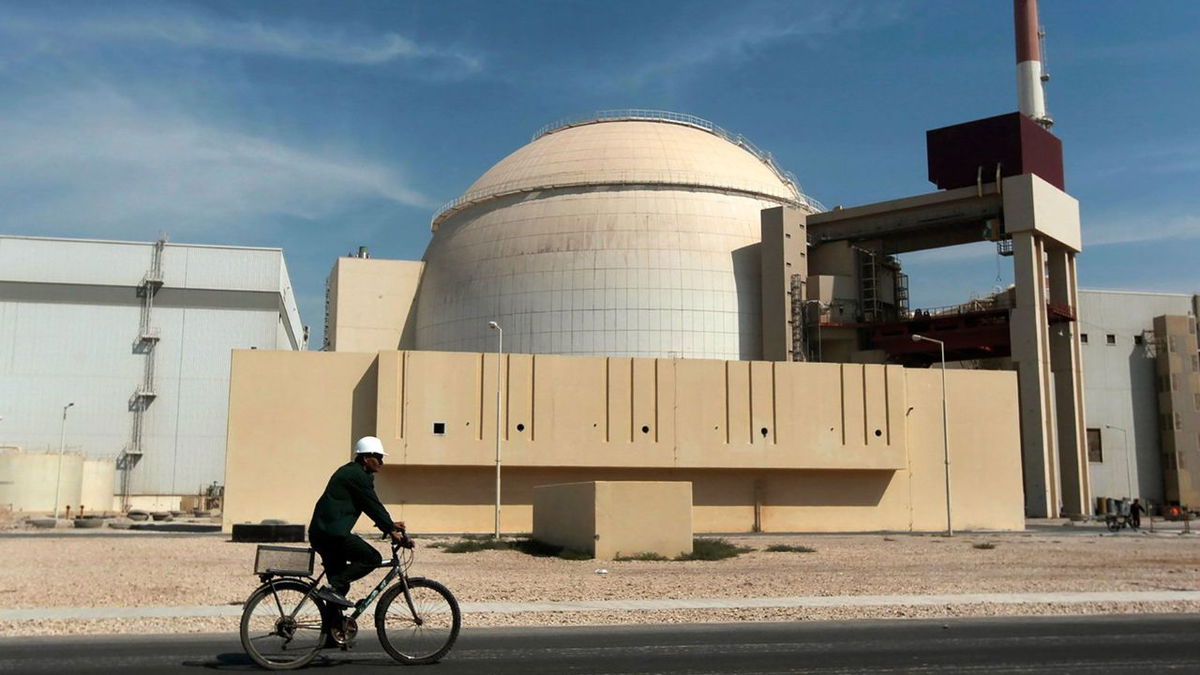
point(1111, 644)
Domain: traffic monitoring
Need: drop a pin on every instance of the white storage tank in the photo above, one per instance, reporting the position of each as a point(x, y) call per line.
point(99, 480)
point(27, 480)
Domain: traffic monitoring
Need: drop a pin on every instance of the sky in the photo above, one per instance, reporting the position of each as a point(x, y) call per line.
point(317, 127)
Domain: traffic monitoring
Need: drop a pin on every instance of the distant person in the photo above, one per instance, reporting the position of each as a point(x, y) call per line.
point(349, 494)
point(1135, 514)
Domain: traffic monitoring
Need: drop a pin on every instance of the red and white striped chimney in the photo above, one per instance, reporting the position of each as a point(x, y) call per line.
point(1030, 95)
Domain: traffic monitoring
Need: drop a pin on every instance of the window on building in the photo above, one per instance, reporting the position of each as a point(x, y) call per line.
point(1178, 422)
point(1192, 326)
point(1110, 339)
point(1172, 343)
point(1195, 362)
point(1083, 338)
point(1174, 382)
point(1095, 451)
point(1196, 399)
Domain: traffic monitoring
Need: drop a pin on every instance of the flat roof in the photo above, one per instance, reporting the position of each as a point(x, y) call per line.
point(141, 243)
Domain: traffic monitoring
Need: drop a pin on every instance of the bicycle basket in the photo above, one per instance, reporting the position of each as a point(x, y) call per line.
point(284, 560)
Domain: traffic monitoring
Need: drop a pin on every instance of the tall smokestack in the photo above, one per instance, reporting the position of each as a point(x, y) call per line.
point(1030, 95)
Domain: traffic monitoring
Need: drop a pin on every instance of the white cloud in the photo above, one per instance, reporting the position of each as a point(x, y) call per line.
point(96, 164)
point(734, 39)
point(1141, 228)
point(175, 27)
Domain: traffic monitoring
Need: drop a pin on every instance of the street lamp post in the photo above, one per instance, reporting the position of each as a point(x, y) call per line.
point(499, 356)
point(945, 427)
point(62, 437)
point(1128, 455)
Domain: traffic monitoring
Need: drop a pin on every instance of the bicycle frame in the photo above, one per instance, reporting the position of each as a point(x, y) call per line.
point(359, 607)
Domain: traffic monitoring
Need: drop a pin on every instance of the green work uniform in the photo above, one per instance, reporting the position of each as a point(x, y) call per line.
point(349, 494)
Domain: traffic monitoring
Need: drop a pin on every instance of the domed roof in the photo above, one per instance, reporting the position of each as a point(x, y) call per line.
point(634, 148)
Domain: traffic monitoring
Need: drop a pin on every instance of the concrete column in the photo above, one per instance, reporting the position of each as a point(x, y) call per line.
point(1067, 366)
point(784, 253)
point(1029, 334)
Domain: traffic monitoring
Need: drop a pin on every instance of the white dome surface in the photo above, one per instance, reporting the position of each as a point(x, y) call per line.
point(621, 238)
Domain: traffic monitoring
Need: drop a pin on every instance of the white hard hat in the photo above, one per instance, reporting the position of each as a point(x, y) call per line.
point(369, 445)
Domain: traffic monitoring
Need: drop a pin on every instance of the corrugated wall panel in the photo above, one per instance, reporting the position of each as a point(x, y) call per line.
point(54, 352)
point(73, 262)
point(232, 269)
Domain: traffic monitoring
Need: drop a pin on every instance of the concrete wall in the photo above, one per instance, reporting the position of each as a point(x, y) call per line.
point(370, 303)
point(847, 447)
point(1178, 369)
point(610, 519)
point(293, 419)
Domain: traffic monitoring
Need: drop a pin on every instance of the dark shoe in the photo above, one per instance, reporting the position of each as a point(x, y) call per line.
point(333, 597)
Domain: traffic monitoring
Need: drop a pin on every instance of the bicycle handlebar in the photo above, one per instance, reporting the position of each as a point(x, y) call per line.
point(404, 541)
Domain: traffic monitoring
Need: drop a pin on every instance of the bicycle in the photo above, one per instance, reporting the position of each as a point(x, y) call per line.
point(284, 623)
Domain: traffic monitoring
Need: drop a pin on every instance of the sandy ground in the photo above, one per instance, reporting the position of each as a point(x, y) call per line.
point(154, 570)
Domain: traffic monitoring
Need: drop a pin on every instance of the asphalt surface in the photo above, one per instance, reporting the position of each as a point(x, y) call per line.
point(1109, 644)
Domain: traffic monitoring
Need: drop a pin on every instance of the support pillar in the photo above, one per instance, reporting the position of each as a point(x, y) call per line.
point(1029, 332)
point(1067, 366)
point(784, 256)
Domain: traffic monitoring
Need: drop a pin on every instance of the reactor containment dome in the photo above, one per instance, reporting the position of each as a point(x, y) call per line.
point(627, 233)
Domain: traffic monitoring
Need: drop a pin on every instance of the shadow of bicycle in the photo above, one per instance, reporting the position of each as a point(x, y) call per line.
point(238, 661)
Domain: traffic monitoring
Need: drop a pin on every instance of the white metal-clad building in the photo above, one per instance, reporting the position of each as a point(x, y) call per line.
point(628, 233)
point(1121, 393)
point(138, 337)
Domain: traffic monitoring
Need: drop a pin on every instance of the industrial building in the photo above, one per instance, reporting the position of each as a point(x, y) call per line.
point(1142, 387)
point(641, 295)
point(654, 288)
point(119, 352)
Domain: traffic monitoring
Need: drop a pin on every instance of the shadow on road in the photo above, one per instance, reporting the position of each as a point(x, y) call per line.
point(238, 661)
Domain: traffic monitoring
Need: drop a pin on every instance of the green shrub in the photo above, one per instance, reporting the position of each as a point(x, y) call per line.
point(985, 546)
point(646, 556)
point(784, 548)
point(713, 549)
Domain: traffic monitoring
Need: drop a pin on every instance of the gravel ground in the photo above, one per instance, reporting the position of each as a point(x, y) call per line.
point(155, 570)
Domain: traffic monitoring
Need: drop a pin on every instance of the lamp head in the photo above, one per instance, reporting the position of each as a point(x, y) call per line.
point(493, 325)
point(916, 338)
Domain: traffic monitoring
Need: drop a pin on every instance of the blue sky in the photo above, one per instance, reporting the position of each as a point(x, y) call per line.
point(321, 126)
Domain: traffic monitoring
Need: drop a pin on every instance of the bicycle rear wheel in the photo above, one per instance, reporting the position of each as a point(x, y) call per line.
point(426, 636)
point(282, 626)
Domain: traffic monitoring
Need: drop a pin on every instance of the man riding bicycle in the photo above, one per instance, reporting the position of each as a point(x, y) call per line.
point(349, 494)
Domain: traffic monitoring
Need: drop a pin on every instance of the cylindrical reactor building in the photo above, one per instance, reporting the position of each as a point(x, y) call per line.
point(628, 234)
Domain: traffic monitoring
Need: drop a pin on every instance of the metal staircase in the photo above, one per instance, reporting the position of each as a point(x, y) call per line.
point(145, 344)
point(868, 275)
point(799, 325)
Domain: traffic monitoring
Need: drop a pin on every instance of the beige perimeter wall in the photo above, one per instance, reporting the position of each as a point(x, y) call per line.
point(770, 446)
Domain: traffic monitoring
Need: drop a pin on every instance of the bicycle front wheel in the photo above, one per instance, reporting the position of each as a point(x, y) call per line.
point(424, 632)
point(282, 626)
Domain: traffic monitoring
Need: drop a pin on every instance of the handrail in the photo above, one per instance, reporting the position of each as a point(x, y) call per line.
point(787, 177)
